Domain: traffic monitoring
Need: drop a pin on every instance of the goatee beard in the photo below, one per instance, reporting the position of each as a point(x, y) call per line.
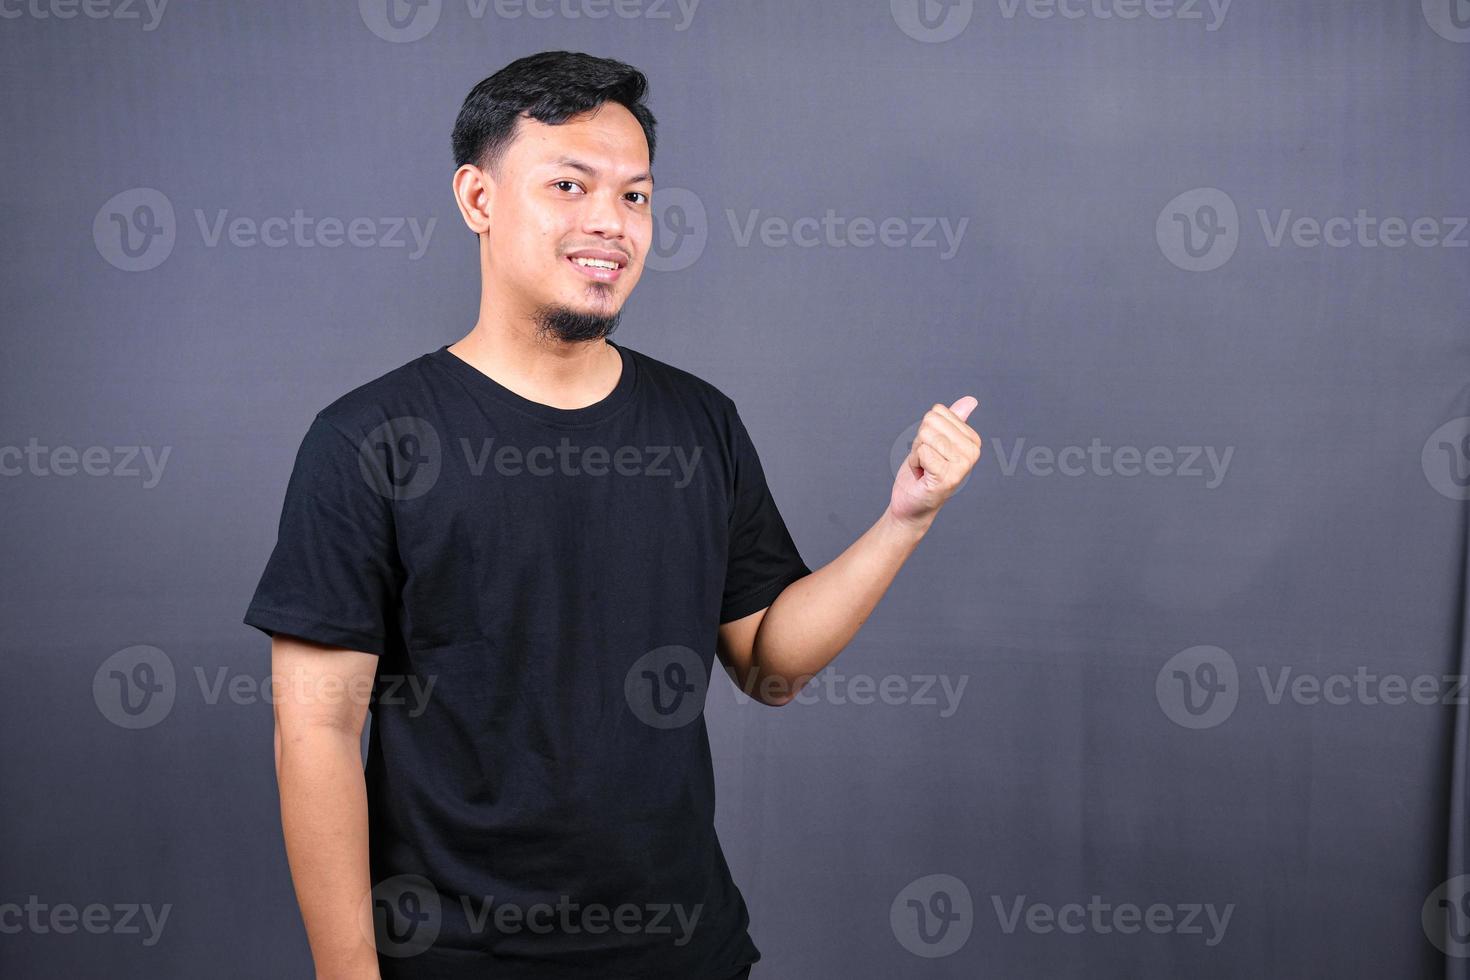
point(573, 326)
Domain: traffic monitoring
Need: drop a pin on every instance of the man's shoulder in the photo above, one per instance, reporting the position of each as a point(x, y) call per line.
point(680, 382)
point(396, 393)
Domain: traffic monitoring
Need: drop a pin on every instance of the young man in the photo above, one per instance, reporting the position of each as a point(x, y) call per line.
point(524, 551)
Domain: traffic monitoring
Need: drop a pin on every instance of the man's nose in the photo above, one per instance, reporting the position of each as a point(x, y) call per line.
point(604, 215)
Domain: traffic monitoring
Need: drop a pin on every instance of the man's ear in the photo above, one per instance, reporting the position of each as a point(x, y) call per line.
point(474, 190)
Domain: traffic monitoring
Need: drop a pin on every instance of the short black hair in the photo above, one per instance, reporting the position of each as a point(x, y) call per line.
point(550, 87)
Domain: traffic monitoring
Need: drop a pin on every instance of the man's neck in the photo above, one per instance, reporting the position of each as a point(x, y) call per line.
point(550, 371)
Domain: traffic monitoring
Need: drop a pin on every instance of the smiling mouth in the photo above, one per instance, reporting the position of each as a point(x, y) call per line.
point(597, 270)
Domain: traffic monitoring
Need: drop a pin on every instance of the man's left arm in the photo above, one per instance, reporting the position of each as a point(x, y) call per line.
point(771, 654)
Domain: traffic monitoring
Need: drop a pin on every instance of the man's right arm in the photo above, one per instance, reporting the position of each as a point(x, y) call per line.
point(320, 708)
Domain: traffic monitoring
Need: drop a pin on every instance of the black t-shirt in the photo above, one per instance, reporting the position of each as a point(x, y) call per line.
point(542, 587)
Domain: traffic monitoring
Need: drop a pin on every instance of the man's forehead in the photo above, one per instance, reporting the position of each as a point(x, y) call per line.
point(589, 136)
point(596, 154)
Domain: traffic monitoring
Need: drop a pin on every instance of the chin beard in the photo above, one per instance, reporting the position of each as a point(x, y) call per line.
point(566, 324)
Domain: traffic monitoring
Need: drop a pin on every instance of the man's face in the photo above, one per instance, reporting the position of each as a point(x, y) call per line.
point(578, 190)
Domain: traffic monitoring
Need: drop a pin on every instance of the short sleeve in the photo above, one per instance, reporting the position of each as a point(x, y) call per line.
point(763, 559)
point(334, 575)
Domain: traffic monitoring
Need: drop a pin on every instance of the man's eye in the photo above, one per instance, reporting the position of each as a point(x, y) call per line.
point(566, 183)
point(639, 194)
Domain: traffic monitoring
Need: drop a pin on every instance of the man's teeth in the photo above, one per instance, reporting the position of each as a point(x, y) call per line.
point(595, 263)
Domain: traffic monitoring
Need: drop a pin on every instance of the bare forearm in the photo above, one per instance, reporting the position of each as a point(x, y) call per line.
point(815, 617)
point(324, 818)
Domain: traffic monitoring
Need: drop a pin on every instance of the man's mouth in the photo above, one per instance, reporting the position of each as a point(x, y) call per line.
point(604, 267)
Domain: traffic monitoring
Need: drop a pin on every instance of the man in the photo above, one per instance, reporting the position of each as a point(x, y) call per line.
point(523, 552)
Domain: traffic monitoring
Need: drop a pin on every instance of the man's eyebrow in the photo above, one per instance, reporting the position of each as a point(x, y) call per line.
point(591, 171)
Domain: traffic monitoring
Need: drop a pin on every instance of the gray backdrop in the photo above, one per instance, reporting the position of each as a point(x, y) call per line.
point(1188, 644)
